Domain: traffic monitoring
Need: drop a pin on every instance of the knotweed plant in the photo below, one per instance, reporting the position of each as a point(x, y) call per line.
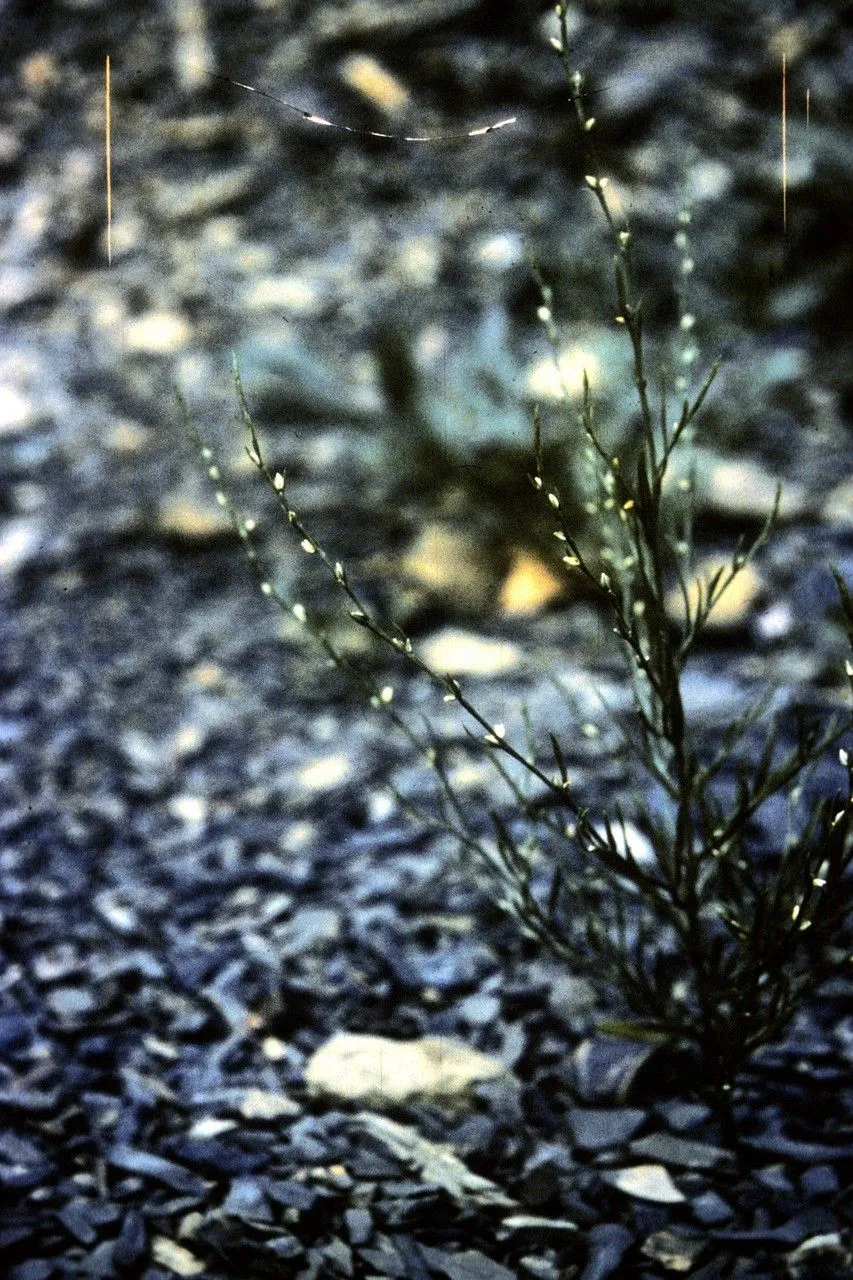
point(700, 943)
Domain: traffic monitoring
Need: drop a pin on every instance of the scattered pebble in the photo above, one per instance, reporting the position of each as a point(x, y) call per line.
point(382, 1072)
point(674, 1250)
point(529, 586)
point(456, 652)
point(838, 505)
point(454, 563)
point(261, 1105)
point(374, 83)
point(683, 1153)
point(735, 605)
point(595, 1129)
point(70, 1003)
point(175, 1257)
point(645, 1182)
point(177, 201)
point(20, 539)
point(740, 487)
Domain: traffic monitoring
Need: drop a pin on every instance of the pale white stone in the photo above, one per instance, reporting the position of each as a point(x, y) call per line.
point(325, 773)
point(157, 333)
point(646, 1182)
point(261, 1104)
point(380, 1071)
point(456, 652)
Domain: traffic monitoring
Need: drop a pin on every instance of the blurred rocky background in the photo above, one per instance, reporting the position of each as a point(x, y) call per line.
point(378, 296)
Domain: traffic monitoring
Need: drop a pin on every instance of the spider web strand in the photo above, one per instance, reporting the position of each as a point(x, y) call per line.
point(312, 118)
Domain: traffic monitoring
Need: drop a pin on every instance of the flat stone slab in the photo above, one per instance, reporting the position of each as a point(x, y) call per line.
point(684, 1153)
point(598, 1129)
point(645, 1182)
point(378, 1071)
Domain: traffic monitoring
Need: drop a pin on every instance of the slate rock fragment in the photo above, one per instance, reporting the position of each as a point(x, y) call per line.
point(542, 1172)
point(607, 1243)
point(147, 1165)
point(469, 1264)
point(600, 1129)
point(645, 1182)
point(711, 1209)
point(359, 1225)
point(674, 1250)
point(684, 1153)
point(130, 1246)
point(820, 1257)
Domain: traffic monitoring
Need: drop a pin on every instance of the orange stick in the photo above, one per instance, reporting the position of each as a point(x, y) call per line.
point(784, 144)
point(108, 130)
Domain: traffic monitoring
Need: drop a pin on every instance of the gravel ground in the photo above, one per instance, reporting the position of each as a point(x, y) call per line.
point(204, 874)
